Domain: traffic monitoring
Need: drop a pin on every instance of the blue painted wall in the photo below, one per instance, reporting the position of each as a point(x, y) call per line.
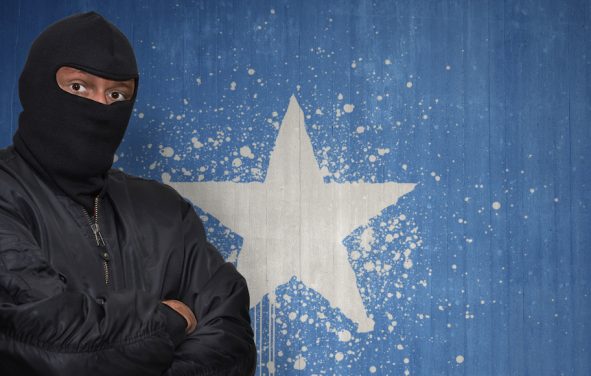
point(485, 105)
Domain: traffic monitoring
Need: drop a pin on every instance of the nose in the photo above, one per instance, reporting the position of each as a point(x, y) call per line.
point(98, 96)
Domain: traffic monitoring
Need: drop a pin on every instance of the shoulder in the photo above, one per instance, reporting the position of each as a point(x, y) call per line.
point(15, 174)
point(139, 183)
point(17, 186)
point(7, 154)
point(8, 158)
point(141, 190)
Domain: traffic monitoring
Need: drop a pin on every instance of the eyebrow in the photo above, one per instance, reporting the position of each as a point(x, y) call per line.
point(128, 84)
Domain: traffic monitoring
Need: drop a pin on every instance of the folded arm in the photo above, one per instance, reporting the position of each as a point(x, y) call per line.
point(48, 329)
point(222, 343)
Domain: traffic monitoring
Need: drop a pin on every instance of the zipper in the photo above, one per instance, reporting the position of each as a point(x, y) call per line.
point(100, 241)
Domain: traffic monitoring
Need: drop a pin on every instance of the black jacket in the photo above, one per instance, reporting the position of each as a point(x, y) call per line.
point(70, 305)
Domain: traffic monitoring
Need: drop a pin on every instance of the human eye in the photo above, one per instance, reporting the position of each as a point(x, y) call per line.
point(117, 96)
point(78, 88)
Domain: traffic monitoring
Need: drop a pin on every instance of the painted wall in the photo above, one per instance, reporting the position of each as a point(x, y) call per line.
point(403, 183)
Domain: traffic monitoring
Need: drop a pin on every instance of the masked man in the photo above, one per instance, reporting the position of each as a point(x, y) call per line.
point(102, 273)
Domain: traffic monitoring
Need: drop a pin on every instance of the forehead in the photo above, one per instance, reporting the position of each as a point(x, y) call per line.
point(66, 73)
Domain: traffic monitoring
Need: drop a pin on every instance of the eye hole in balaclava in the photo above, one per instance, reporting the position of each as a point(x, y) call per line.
point(68, 139)
point(87, 85)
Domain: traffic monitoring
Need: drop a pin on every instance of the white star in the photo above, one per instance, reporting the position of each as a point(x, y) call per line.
point(293, 223)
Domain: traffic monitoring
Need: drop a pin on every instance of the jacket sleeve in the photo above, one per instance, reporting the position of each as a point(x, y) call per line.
point(48, 329)
point(223, 342)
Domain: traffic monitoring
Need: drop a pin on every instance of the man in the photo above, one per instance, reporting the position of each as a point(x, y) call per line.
point(102, 273)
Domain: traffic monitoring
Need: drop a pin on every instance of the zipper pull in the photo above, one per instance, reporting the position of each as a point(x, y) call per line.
point(97, 234)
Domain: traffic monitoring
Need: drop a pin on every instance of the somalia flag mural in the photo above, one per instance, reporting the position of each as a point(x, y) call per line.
point(403, 183)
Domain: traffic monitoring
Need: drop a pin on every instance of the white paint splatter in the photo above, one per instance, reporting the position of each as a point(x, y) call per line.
point(367, 239)
point(348, 108)
point(140, 115)
point(271, 367)
point(360, 129)
point(251, 71)
point(339, 356)
point(237, 162)
point(246, 152)
point(166, 177)
point(407, 264)
point(460, 359)
point(496, 205)
point(344, 335)
point(167, 152)
point(372, 369)
point(233, 85)
point(409, 84)
point(372, 158)
point(383, 151)
point(196, 143)
point(388, 62)
point(300, 363)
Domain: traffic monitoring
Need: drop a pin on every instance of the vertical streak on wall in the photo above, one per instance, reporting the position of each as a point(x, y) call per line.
point(270, 331)
point(261, 343)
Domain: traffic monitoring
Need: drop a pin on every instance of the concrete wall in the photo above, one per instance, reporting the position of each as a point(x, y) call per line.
point(403, 183)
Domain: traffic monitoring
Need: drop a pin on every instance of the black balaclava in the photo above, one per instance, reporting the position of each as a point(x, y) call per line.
point(68, 139)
